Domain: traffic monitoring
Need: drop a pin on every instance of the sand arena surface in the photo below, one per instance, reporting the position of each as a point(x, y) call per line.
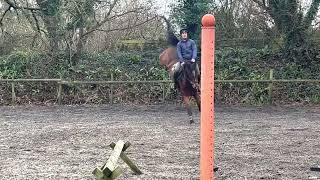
point(68, 142)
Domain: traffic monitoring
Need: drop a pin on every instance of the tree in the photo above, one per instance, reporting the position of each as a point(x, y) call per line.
point(238, 19)
point(188, 13)
point(291, 22)
point(67, 24)
point(51, 17)
point(234, 19)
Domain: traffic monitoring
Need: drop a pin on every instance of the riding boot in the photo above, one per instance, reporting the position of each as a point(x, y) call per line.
point(197, 74)
point(175, 85)
point(175, 80)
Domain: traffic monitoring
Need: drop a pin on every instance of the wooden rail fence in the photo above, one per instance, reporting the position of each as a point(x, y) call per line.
point(113, 82)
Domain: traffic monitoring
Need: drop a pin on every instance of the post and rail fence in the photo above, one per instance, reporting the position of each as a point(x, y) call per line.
point(112, 82)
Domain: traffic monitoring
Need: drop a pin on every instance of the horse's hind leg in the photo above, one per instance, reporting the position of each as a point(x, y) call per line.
point(187, 104)
point(198, 100)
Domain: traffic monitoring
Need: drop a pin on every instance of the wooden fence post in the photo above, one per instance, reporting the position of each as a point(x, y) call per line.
point(111, 90)
point(59, 91)
point(163, 92)
point(13, 96)
point(270, 86)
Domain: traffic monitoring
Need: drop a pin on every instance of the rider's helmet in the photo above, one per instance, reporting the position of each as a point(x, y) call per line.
point(183, 30)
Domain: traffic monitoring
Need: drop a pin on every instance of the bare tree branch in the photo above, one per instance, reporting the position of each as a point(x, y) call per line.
point(312, 13)
point(111, 7)
point(4, 14)
point(129, 27)
point(262, 4)
point(107, 18)
point(15, 6)
point(36, 20)
point(99, 24)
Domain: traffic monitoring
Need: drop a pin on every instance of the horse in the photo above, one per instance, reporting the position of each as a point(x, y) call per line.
point(184, 79)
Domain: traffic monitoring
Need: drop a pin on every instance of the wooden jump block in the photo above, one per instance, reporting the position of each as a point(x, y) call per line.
point(101, 176)
point(125, 158)
point(110, 169)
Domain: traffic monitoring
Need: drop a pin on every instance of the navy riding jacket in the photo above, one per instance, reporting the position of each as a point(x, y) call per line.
point(187, 50)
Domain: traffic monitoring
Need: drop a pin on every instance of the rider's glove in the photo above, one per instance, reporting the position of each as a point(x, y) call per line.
point(193, 60)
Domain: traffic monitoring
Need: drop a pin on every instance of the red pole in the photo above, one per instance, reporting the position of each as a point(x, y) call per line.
point(207, 98)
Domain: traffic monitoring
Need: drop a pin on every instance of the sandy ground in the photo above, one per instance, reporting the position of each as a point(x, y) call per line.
point(68, 142)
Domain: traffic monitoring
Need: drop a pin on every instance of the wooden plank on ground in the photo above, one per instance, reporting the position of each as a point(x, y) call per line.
point(116, 173)
point(99, 174)
point(125, 147)
point(125, 158)
point(111, 164)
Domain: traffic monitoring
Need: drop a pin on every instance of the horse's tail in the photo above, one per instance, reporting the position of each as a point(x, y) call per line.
point(171, 37)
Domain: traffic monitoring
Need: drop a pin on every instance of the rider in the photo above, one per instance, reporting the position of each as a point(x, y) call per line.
point(187, 51)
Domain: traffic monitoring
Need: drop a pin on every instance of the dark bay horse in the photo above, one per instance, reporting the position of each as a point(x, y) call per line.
point(185, 80)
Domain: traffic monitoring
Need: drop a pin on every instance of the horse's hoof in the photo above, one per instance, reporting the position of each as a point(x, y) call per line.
point(191, 121)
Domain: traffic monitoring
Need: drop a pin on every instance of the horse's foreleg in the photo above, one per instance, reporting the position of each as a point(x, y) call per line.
point(187, 105)
point(198, 100)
